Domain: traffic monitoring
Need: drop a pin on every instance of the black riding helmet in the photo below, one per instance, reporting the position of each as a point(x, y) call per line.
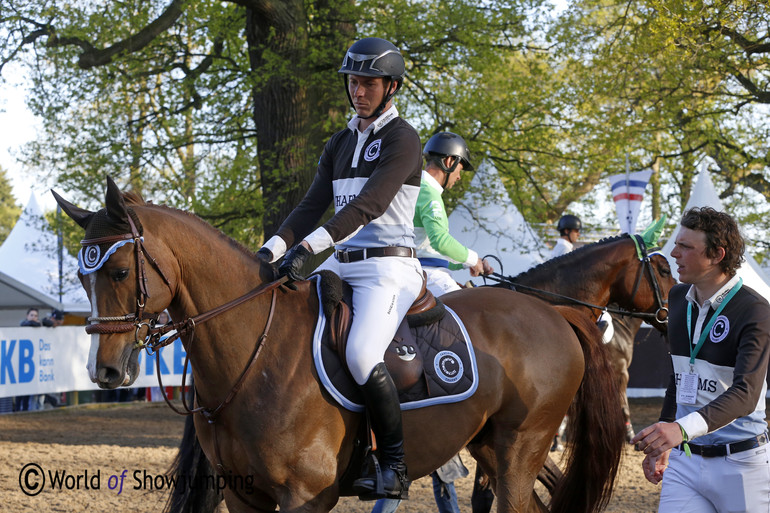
point(569, 222)
point(447, 144)
point(374, 57)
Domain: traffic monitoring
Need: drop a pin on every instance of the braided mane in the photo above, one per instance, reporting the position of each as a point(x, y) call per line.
point(567, 256)
point(136, 200)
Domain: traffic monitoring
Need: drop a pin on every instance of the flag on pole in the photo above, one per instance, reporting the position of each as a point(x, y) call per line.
point(627, 193)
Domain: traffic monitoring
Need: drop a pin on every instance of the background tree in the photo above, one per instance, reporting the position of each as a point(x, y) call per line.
point(9, 209)
point(173, 99)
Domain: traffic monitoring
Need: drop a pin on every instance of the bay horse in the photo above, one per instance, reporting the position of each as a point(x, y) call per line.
point(629, 278)
point(575, 279)
point(262, 415)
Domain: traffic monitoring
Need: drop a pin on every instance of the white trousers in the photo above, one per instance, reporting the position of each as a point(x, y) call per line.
point(738, 483)
point(440, 280)
point(383, 290)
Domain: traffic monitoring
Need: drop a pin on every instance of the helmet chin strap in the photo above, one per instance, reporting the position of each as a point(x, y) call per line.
point(447, 171)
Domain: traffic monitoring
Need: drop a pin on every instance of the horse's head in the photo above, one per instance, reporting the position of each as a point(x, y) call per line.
point(118, 268)
point(647, 280)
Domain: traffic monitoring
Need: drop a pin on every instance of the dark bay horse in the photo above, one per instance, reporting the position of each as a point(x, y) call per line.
point(263, 415)
point(609, 273)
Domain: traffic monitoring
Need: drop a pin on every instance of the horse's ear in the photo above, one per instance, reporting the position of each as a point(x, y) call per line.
point(80, 215)
point(113, 200)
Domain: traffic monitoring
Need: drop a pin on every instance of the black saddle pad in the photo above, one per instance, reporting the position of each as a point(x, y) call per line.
point(449, 365)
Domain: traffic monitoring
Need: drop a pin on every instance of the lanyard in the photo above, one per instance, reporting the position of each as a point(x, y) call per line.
point(708, 326)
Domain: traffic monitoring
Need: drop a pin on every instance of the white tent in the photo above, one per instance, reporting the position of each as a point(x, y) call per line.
point(704, 195)
point(487, 221)
point(30, 256)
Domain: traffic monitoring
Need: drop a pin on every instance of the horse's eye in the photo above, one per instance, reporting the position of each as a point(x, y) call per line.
point(664, 271)
point(119, 274)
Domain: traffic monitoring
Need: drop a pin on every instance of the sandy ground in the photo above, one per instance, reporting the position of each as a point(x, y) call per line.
point(109, 458)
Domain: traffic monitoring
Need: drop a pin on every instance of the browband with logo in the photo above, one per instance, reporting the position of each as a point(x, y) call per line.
point(90, 258)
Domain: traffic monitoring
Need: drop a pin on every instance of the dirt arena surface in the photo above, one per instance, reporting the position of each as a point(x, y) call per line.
point(90, 447)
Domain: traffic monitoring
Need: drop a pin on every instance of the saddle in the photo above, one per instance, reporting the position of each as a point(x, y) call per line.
point(402, 358)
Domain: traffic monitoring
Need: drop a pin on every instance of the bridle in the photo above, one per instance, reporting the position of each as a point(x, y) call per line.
point(154, 339)
point(139, 319)
point(661, 314)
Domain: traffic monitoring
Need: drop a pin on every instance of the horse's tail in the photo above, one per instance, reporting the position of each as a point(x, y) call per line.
point(595, 427)
point(194, 475)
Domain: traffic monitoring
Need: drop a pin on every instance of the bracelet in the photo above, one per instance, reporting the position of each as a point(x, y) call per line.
point(685, 438)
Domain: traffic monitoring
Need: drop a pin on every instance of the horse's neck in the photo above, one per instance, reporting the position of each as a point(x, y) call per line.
point(583, 277)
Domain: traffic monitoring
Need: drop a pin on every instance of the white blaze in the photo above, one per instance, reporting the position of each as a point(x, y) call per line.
point(91, 366)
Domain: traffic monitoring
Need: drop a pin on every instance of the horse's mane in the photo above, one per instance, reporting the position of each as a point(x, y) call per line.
point(135, 199)
point(567, 256)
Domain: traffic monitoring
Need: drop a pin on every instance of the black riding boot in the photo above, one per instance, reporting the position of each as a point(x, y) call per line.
point(385, 413)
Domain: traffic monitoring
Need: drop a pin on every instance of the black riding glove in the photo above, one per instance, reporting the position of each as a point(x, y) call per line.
point(265, 254)
point(292, 263)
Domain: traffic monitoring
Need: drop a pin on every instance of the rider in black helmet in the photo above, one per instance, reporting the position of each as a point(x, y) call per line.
point(370, 172)
point(374, 57)
point(447, 144)
point(569, 230)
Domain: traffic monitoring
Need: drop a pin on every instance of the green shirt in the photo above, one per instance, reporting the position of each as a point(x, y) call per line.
point(431, 228)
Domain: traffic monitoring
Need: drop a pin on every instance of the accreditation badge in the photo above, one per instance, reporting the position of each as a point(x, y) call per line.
point(687, 391)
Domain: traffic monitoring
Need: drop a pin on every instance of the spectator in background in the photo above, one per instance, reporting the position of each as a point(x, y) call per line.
point(55, 319)
point(23, 402)
point(32, 319)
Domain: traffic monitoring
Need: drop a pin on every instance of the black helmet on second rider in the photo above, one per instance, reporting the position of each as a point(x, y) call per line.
point(374, 57)
point(447, 144)
point(569, 222)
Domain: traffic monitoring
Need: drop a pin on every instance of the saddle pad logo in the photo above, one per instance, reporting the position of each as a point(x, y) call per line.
point(720, 329)
point(373, 150)
point(448, 366)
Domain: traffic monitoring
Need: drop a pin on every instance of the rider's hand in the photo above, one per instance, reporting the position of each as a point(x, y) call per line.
point(293, 261)
point(488, 269)
point(265, 255)
point(477, 269)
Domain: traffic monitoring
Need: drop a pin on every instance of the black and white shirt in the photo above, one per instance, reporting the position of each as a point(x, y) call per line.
point(731, 365)
point(373, 179)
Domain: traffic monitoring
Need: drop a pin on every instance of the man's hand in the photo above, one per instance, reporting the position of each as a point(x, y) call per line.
point(659, 438)
point(293, 261)
point(477, 269)
point(481, 267)
point(265, 255)
point(654, 467)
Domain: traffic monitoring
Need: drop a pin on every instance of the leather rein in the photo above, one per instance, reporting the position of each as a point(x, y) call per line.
point(155, 340)
point(660, 315)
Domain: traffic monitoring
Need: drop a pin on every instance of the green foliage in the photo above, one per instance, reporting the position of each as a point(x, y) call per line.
point(9, 209)
point(225, 114)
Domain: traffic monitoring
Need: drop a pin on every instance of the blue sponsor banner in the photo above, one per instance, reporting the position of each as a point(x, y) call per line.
point(48, 360)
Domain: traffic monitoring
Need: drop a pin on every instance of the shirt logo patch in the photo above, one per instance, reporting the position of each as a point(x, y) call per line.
point(373, 150)
point(720, 329)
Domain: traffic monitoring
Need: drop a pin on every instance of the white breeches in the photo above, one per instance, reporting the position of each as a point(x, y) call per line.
point(383, 290)
point(440, 280)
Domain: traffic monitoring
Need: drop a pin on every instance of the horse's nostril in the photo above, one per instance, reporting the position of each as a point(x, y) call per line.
point(109, 376)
